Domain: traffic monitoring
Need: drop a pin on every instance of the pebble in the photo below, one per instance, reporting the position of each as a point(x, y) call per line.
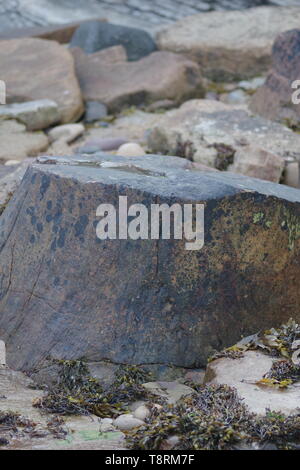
point(66, 133)
point(131, 150)
point(95, 111)
point(127, 422)
point(142, 412)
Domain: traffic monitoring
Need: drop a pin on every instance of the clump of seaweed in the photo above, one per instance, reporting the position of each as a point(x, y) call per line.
point(214, 418)
point(276, 342)
point(77, 393)
point(225, 156)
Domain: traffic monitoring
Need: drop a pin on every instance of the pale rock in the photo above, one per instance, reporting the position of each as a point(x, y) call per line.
point(36, 115)
point(131, 149)
point(244, 373)
point(127, 422)
point(66, 133)
point(230, 44)
point(142, 412)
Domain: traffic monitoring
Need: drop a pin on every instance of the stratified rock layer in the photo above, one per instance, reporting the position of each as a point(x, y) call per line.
point(66, 294)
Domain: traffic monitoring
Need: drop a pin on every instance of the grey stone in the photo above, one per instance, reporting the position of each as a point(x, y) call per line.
point(127, 422)
point(94, 111)
point(36, 115)
point(94, 36)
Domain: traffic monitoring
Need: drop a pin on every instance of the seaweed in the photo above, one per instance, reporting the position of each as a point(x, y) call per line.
point(77, 393)
point(214, 418)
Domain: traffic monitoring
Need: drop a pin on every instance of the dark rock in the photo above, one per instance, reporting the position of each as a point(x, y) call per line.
point(94, 111)
point(274, 99)
point(66, 294)
point(94, 36)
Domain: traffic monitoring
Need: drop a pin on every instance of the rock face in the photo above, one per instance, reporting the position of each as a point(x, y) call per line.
point(274, 99)
point(94, 36)
point(233, 44)
point(18, 144)
point(117, 83)
point(36, 115)
point(243, 373)
point(67, 294)
point(214, 133)
point(36, 69)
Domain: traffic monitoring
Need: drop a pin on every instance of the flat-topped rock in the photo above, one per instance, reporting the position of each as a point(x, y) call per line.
point(66, 293)
point(232, 44)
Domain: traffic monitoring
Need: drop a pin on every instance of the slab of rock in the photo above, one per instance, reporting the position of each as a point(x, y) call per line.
point(232, 44)
point(93, 36)
point(243, 373)
point(36, 115)
point(61, 33)
point(161, 75)
point(171, 391)
point(274, 99)
point(17, 144)
point(36, 69)
point(63, 292)
point(207, 131)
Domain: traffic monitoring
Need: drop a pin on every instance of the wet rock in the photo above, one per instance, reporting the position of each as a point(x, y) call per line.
point(243, 373)
point(36, 69)
point(242, 50)
point(203, 130)
point(127, 422)
point(66, 133)
point(94, 36)
point(18, 144)
point(274, 99)
point(94, 111)
point(36, 115)
point(210, 296)
point(131, 149)
point(161, 75)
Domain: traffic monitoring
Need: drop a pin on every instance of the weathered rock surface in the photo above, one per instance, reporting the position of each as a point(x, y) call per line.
point(233, 44)
point(243, 374)
point(36, 69)
point(17, 395)
point(94, 36)
point(274, 99)
point(18, 144)
point(36, 115)
point(161, 75)
point(209, 131)
point(62, 289)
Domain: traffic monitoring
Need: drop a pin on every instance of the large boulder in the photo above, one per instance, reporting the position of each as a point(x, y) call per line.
point(107, 77)
point(65, 293)
point(93, 36)
point(225, 137)
point(232, 44)
point(35, 69)
point(274, 99)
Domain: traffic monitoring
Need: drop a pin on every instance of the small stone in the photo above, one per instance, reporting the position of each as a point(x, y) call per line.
point(106, 425)
point(95, 111)
point(105, 144)
point(142, 412)
point(235, 97)
point(2, 353)
point(251, 85)
point(170, 443)
point(66, 133)
point(127, 421)
point(291, 175)
point(131, 150)
point(36, 115)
